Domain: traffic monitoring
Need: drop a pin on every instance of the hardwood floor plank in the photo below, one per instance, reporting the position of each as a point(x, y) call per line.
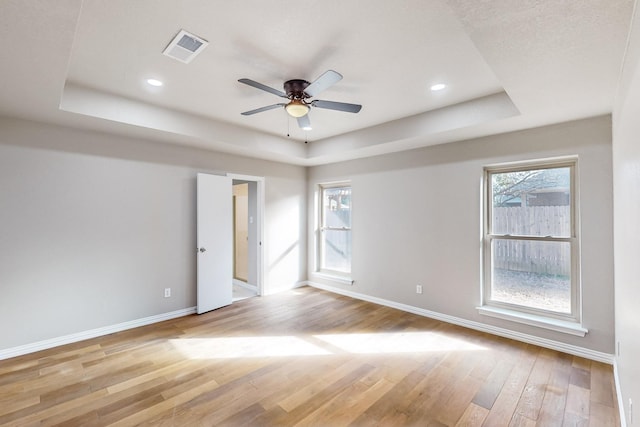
point(423, 398)
point(18, 364)
point(17, 402)
point(555, 396)
point(337, 369)
point(36, 413)
point(76, 409)
point(491, 388)
point(505, 404)
point(601, 384)
point(301, 375)
point(581, 377)
point(473, 416)
point(601, 416)
point(347, 405)
point(392, 407)
point(270, 417)
point(578, 404)
point(520, 420)
point(390, 419)
point(165, 409)
point(451, 408)
point(531, 399)
point(216, 399)
point(244, 417)
point(66, 393)
point(87, 419)
point(325, 394)
point(368, 365)
point(125, 407)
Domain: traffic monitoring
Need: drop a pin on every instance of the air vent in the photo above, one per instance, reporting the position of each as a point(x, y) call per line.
point(185, 46)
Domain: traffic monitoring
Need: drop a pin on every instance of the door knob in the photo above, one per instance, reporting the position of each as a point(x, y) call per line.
point(202, 249)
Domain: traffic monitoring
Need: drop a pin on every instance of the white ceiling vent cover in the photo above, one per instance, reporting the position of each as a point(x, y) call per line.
point(185, 46)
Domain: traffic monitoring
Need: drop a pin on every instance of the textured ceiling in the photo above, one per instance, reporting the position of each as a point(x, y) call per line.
point(507, 64)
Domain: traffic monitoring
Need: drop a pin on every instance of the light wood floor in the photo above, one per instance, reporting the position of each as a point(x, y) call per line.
point(305, 357)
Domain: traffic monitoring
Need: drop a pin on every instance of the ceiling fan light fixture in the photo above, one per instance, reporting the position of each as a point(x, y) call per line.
point(154, 82)
point(297, 108)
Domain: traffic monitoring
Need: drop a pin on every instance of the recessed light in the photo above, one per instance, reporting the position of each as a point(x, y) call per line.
point(307, 128)
point(438, 86)
point(154, 82)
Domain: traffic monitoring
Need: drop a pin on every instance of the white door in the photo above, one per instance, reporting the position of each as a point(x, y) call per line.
point(215, 242)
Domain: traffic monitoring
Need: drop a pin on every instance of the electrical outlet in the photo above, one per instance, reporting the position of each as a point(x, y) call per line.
point(418, 289)
point(167, 292)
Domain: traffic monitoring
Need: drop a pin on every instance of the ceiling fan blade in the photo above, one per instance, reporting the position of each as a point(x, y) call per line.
point(263, 87)
point(261, 109)
point(304, 123)
point(339, 106)
point(326, 80)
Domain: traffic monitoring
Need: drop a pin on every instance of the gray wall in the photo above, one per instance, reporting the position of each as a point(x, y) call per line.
point(417, 220)
point(626, 180)
point(93, 227)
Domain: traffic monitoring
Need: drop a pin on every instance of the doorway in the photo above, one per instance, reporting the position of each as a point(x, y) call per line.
point(215, 240)
point(241, 232)
point(247, 242)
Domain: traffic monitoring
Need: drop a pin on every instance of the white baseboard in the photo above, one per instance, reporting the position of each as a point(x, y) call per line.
point(93, 333)
point(616, 380)
point(518, 336)
point(245, 285)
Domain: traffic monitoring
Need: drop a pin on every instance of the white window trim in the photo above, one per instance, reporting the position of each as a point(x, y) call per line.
point(570, 323)
point(345, 280)
point(564, 326)
point(335, 275)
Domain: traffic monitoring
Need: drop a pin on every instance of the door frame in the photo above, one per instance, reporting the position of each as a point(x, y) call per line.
point(259, 180)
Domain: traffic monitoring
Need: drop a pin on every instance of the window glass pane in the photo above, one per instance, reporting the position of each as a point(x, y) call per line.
point(337, 207)
point(535, 202)
point(535, 274)
point(337, 250)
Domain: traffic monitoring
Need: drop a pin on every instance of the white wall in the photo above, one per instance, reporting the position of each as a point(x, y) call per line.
point(93, 227)
point(626, 180)
point(417, 220)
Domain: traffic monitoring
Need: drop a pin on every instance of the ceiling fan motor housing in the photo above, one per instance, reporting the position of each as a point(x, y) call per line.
point(295, 89)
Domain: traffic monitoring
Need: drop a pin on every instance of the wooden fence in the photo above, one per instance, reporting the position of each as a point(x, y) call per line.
point(532, 256)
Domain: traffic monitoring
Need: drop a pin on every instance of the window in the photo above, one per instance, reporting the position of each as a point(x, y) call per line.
point(335, 229)
point(531, 243)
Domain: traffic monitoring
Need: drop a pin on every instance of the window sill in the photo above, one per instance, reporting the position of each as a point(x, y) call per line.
point(564, 326)
point(334, 278)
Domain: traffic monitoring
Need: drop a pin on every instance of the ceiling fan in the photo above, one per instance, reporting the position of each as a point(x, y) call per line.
point(298, 92)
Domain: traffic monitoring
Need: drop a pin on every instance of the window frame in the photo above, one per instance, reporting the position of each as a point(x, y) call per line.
point(575, 315)
point(321, 228)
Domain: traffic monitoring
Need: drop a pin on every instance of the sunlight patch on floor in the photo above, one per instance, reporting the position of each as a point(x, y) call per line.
point(282, 346)
point(238, 347)
point(398, 342)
